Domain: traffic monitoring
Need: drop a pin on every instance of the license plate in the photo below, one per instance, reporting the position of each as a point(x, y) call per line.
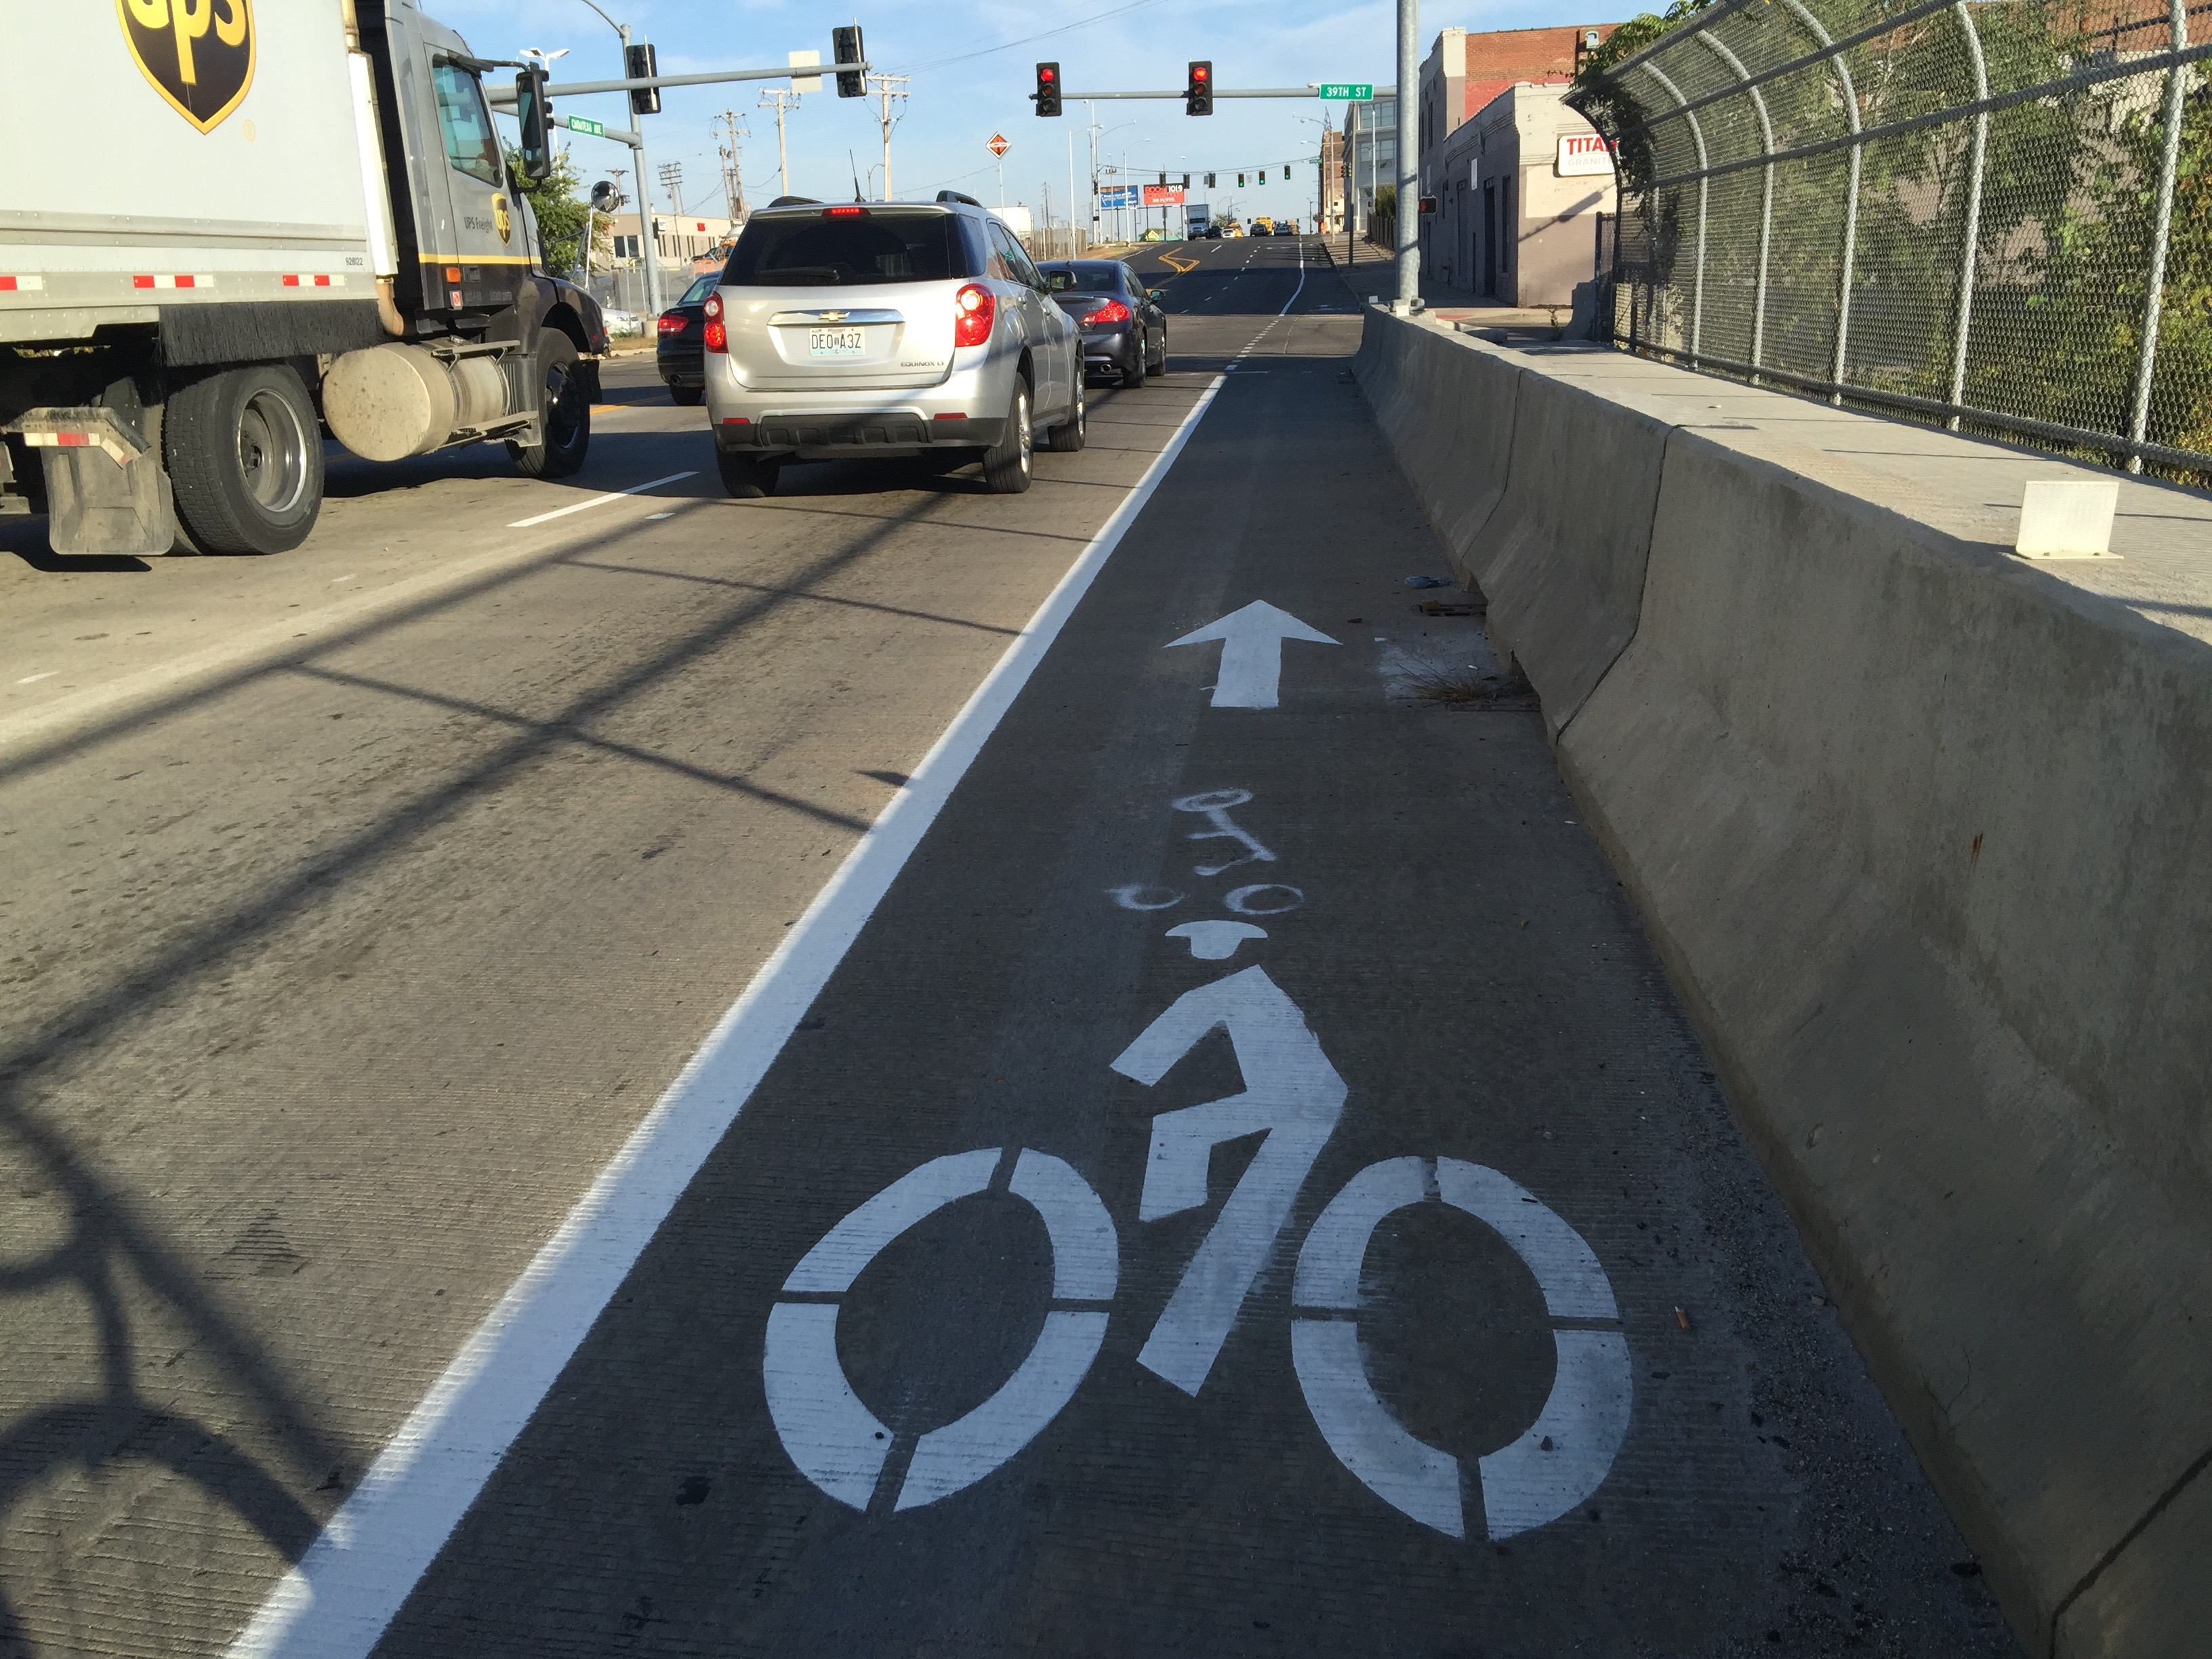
point(834, 342)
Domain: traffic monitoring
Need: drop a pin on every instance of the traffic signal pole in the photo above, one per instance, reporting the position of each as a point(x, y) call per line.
point(1409, 159)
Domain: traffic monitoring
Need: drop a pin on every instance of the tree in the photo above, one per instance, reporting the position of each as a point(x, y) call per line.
point(560, 212)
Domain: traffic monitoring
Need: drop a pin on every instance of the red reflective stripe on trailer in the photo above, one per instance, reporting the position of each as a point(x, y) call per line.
point(184, 282)
point(72, 440)
point(291, 282)
point(7, 284)
point(142, 282)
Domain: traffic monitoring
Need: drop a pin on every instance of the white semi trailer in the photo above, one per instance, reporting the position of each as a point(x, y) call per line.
point(227, 226)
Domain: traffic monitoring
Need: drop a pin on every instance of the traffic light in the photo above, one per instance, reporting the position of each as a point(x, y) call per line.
point(639, 64)
point(1048, 89)
point(845, 48)
point(1198, 88)
point(1240, 181)
point(1263, 175)
point(1186, 181)
point(1209, 181)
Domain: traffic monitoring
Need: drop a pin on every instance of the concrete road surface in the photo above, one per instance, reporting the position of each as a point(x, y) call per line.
point(1208, 1162)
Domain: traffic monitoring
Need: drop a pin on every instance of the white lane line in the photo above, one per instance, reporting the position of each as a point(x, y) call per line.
point(336, 1601)
point(1279, 316)
point(600, 501)
point(33, 680)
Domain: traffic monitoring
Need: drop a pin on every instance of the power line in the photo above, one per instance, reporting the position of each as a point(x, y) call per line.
point(1042, 34)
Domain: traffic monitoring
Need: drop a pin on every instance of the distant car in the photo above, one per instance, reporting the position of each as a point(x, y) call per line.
point(1124, 330)
point(886, 329)
point(622, 322)
point(681, 358)
point(1212, 232)
point(1263, 226)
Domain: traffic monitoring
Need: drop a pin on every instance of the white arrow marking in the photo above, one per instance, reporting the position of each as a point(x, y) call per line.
point(1292, 1092)
point(1251, 653)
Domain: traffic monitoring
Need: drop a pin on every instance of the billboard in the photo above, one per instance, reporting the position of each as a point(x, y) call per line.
point(1112, 198)
point(1162, 195)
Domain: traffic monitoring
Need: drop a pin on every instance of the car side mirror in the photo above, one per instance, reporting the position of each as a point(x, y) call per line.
point(1156, 293)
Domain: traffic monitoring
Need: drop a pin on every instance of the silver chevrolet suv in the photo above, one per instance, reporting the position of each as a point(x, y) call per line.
point(886, 328)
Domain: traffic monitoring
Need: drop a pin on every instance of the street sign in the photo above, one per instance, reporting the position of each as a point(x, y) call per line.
point(1357, 91)
point(999, 146)
point(584, 124)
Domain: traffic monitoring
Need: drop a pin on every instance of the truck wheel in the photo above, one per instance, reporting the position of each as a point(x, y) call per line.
point(565, 413)
point(748, 477)
point(1007, 463)
point(245, 456)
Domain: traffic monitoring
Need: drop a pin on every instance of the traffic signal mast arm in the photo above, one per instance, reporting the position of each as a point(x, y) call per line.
point(1218, 92)
point(502, 96)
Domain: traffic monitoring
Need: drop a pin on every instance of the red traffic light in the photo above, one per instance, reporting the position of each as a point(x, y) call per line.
point(1046, 72)
point(1199, 72)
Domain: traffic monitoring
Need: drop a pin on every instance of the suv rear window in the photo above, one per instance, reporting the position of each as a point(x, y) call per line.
point(814, 250)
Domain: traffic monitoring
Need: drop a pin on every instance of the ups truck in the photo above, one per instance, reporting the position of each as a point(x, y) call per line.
point(229, 226)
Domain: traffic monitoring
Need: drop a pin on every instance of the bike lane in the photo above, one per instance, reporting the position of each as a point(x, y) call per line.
point(1249, 1186)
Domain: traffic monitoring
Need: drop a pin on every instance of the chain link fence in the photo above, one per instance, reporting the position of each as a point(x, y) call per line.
point(1997, 215)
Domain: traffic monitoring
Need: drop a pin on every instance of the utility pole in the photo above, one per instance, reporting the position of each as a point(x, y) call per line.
point(887, 87)
point(780, 99)
point(1409, 160)
point(733, 163)
point(671, 180)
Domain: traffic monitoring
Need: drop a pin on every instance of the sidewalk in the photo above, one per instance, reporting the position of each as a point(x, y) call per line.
point(1372, 276)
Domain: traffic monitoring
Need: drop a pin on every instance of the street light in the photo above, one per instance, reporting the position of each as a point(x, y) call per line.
point(647, 243)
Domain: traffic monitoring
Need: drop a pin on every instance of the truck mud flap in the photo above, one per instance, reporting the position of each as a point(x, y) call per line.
point(106, 490)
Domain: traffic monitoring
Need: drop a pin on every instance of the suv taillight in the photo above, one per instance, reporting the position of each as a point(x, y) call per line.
point(1112, 311)
point(973, 308)
point(718, 338)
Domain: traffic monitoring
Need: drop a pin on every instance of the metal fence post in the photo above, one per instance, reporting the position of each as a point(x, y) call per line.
point(1766, 199)
point(1697, 280)
point(1970, 240)
point(2162, 229)
point(1797, 9)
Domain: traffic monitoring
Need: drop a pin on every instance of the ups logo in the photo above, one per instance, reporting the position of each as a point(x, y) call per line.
point(198, 53)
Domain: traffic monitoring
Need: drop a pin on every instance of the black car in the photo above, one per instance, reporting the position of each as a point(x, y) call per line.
point(1124, 330)
point(681, 352)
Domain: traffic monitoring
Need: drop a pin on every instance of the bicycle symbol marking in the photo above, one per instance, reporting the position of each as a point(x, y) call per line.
point(837, 1443)
point(1564, 1454)
point(1295, 1096)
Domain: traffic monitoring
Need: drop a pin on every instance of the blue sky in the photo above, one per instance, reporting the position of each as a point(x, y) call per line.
point(971, 63)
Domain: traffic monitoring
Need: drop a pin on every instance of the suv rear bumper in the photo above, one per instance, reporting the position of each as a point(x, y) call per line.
point(820, 433)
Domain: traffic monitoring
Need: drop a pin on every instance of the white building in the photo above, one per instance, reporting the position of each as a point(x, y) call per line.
point(1519, 186)
point(681, 236)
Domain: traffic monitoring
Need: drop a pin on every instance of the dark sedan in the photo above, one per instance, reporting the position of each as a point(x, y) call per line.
point(1124, 330)
point(681, 353)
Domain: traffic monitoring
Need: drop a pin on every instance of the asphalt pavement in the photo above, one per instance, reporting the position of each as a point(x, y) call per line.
point(884, 1071)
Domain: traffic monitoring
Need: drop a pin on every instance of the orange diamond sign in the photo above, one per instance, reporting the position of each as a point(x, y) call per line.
point(999, 144)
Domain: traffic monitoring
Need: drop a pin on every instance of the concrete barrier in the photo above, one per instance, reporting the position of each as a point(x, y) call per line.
point(1924, 837)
